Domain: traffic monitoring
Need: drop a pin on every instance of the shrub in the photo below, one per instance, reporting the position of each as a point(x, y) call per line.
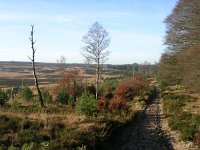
point(186, 123)
point(139, 85)
point(26, 93)
point(16, 90)
point(3, 97)
point(124, 90)
point(15, 105)
point(118, 104)
point(173, 103)
point(86, 104)
point(108, 87)
point(103, 104)
point(11, 147)
point(29, 146)
point(56, 129)
point(30, 135)
point(62, 97)
point(13, 91)
point(71, 82)
point(47, 98)
point(91, 89)
point(8, 125)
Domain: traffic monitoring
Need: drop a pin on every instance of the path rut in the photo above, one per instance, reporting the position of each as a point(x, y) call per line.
point(145, 133)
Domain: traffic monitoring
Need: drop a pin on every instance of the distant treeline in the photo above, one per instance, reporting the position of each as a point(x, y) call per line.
point(131, 69)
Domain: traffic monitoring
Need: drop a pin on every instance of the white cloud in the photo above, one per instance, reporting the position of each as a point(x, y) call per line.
point(34, 17)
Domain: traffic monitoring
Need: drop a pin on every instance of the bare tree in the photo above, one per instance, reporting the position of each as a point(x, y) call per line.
point(182, 26)
point(97, 40)
point(33, 66)
point(182, 34)
point(62, 63)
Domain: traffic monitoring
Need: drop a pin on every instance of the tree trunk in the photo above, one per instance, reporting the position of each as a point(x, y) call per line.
point(33, 67)
point(37, 85)
point(97, 79)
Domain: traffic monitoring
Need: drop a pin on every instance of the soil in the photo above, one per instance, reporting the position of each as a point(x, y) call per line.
point(147, 132)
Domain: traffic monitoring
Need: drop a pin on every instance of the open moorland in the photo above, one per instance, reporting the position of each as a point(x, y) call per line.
point(72, 118)
point(132, 111)
point(46, 106)
point(19, 74)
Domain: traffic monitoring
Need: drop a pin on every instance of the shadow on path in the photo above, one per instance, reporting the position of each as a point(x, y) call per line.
point(144, 133)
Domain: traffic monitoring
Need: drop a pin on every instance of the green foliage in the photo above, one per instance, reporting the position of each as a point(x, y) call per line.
point(173, 103)
point(62, 97)
point(11, 147)
point(8, 125)
point(86, 104)
point(30, 135)
point(57, 127)
point(16, 90)
point(83, 147)
point(52, 133)
point(1, 147)
point(26, 93)
point(3, 97)
point(15, 105)
point(186, 123)
point(47, 98)
point(30, 146)
point(35, 146)
point(107, 88)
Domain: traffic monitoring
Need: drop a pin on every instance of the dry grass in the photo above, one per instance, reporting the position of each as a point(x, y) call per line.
point(193, 106)
point(70, 120)
point(12, 74)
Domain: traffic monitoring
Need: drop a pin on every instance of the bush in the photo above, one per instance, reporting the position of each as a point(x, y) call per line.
point(30, 135)
point(47, 98)
point(29, 146)
point(15, 105)
point(8, 125)
point(3, 97)
point(91, 89)
point(103, 104)
point(86, 104)
point(124, 90)
point(62, 97)
point(117, 104)
point(173, 103)
point(11, 147)
point(186, 123)
point(26, 93)
point(108, 87)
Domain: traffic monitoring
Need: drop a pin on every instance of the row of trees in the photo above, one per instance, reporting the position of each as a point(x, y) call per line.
point(96, 41)
point(180, 62)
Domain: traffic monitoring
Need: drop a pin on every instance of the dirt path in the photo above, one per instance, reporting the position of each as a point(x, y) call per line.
point(145, 133)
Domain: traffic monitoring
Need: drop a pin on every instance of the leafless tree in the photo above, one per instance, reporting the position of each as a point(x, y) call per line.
point(62, 63)
point(182, 34)
point(33, 65)
point(182, 26)
point(97, 40)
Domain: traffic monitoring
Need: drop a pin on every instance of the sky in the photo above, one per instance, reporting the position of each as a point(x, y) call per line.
point(136, 28)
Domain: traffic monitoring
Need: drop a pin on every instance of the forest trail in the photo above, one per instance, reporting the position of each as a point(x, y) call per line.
point(145, 133)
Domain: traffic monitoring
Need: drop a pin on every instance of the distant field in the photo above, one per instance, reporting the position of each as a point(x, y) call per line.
point(20, 73)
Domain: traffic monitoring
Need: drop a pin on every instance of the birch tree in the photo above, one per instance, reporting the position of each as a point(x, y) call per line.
point(96, 41)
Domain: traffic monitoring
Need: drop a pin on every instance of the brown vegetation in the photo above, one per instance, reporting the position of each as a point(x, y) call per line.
point(180, 63)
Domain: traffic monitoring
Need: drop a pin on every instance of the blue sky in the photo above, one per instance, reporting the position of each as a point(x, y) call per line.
point(136, 28)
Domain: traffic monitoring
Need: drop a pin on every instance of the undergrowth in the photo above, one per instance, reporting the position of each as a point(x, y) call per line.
point(61, 125)
point(184, 122)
